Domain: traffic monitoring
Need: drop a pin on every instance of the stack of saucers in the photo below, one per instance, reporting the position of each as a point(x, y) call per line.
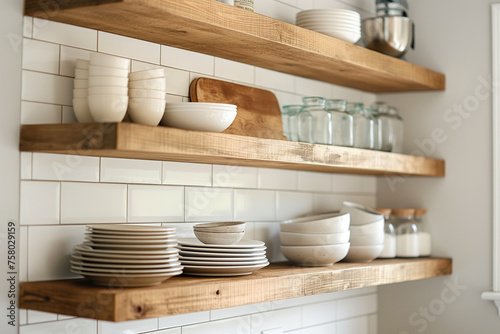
point(127, 255)
point(147, 91)
point(242, 258)
point(212, 117)
point(367, 232)
point(108, 87)
point(339, 23)
point(81, 92)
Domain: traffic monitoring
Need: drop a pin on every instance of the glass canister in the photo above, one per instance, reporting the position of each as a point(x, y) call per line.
point(305, 126)
point(321, 119)
point(372, 115)
point(291, 122)
point(363, 126)
point(407, 238)
point(389, 251)
point(424, 237)
point(385, 130)
point(342, 123)
point(398, 128)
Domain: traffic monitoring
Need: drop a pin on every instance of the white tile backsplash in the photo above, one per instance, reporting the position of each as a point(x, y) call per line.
point(47, 88)
point(319, 313)
point(37, 316)
point(353, 326)
point(40, 113)
point(254, 205)
point(129, 47)
point(39, 203)
point(309, 87)
point(26, 165)
point(270, 178)
point(211, 204)
point(126, 327)
point(231, 70)
point(274, 80)
point(40, 56)
point(234, 176)
point(293, 204)
point(356, 306)
point(130, 171)
point(177, 81)
point(312, 181)
point(62, 167)
point(69, 56)
point(76, 325)
point(89, 203)
point(187, 60)
point(148, 203)
point(28, 27)
point(330, 328)
point(183, 319)
point(345, 183)
point(188, 174)
point(233, 325)
point(65, 34)
point(231, 312)
point(23, 253)
point(287, 319)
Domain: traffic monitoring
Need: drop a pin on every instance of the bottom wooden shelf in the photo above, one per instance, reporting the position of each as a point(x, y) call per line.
point(186, 294)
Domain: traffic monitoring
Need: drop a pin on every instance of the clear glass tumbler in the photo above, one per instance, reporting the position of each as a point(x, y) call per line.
point(342, 123)
point(290, 114)
point(305, 126)
point(385, 123)
point(321, 119)
point(363, 126)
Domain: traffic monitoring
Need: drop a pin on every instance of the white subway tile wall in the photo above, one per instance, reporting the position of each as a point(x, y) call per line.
point(62, 193)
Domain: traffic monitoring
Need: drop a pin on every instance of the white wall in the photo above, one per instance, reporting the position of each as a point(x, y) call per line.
point(453, 37)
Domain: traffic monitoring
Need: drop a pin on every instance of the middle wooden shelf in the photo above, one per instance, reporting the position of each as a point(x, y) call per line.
point(128, 140)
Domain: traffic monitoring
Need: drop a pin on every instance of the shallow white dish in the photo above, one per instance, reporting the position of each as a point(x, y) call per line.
point(128, 246)
point(347, 36)
point(312, 239)
point(376, 227)
point(129, 228)
point(222, 259)
point(85, 249)
point(126, 280)
point(360, 214)
point(80, 93)
point(330, 20)
point(156, 266)
point(203, 105)
point(369, 239)
point(323, 12)
point(162, 242)
point(325, 223)
point(315, 256)
point(199, 120)
point(222, 264)
point(222, 270)
point(105, 260)
point(81, 74)
point(245, 244)
point(196, 252)
point(222, 250)
point(134, 236)
point(82, 63)
point(363, 253)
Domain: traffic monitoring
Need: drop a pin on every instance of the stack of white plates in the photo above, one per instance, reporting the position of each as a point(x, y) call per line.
point(200, 116)
point(339, 23)
point(127, 255)
point(242, 258)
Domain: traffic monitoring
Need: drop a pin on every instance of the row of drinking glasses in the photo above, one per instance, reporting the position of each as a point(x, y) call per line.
point(337, 122)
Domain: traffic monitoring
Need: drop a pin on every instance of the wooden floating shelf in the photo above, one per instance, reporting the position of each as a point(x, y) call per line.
point(129, 140)
point(210, 27)
point(186, 294)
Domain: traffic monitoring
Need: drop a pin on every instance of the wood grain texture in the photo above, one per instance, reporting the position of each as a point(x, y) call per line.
point(185, 294)
point(259, 113)
point(213, 28)
point(128, 140)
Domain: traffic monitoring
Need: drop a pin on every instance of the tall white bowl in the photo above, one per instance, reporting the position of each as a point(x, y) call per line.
point(325, 223)
point(363, 253)
point(147, 111)
point(313, 239)
point(361, 214)
point(315, 256)
point(108, 108)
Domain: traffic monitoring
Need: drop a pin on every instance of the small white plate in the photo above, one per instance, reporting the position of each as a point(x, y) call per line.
point(101, 246)
point(123, 271)
point(104, 260)
point(222, 250)
point(85, 249)
point(131, 228)
point(130, 241)
point(131, 236)
point(223, 264)
point(84, 264)
point(242, 270)
point(187, 253)
point(244, 243)
point(223, 259)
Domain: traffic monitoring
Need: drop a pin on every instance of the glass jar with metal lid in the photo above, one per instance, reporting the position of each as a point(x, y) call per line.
point(424, 237)
point(389, 251)
point(407, 238)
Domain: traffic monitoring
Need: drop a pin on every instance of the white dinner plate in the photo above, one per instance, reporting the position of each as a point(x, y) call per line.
point(244, 243)
point(104, 260)
point(223, 264)
point(129, 247)
point(85, 264)
point(123, 271)
point(85, 249)
point(218, 270)
point(114, 281)
point(132, 236)
point(222, 259)
point(130, 241)
point(131, 228)
point(222, 250)
point(187, 253)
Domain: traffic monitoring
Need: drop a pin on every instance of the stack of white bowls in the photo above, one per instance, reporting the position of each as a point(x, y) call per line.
point(339, 23)
point(316, 241)
point(108, 87)
point(81, 92)
point(147, 91)
point(212, 117)
point(367, 232)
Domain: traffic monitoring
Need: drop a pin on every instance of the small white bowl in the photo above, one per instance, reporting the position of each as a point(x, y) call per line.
point(80, 92)
point(376, 227)
point(146, 111)
point(363, 253)
point(83, 64)
point(367, 239)
point(325, 223)
point(81, 73)
point(81, 83)
point(81, 110)
point(100, 59)
point(149, 93)
point(315, 256)
point(147, 74)
point(108, 108)
point(105, 71)
point(109, 90)
point(361, 214)
point(220, 227)
point(154, 84)
point(200, 120)
point(313, 239)
point(219, 238)
point(200, 105)
point(108, 81)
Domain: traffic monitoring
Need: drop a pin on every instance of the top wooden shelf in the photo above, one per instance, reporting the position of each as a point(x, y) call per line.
point(213, 28)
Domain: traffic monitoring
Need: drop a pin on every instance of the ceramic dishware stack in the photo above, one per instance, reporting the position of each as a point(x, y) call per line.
point(127, 255)
point(339, 23)
point(222, 233)
point(367, 232)
point(147, 91)
point(200, 116)
point(81, 92)
point(316, 241)
point(108, 87)
point(209, 259)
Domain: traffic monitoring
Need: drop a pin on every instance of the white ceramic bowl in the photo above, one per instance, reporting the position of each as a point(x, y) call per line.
point(348, 36)
point(200, 105)
point(108, 81)
point(328, 12)
point(81, 83)
point(368, 239)
point(315, 256)
point(149, 93)
point(363, 253)
point(329, 21)
point(326, 223)
point(104, 71)
point(81, 73)
point(80, 92)
point(100, 59)
point(147, 74)
point(360, 214)
point(338, 27)
point(109, 90)
point(146, 111)
point(200, 120)
point(108, 108)
point(81, 110)
point(83, 64)
point(313, 239)
point(376, 227)
point(219, 238)
point(220, 227)
point(154, 84)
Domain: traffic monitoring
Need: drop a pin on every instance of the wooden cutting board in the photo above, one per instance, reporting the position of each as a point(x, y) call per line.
point(258, 114)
